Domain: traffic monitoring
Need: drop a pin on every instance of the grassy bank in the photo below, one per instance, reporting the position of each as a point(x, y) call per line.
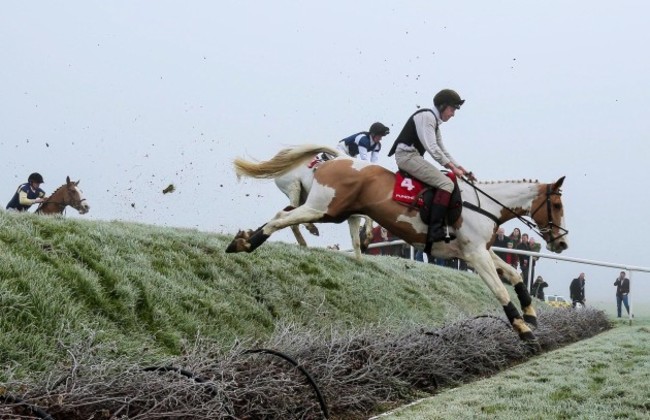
point(605, 377)
point(145, 293)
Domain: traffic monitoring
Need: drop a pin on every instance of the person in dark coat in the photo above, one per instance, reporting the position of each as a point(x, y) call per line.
point(538, 288)
point(622, 284)
point(577, 290)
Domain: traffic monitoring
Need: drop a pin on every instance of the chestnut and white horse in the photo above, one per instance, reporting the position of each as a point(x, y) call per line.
point(295, 182)
point(342, 187)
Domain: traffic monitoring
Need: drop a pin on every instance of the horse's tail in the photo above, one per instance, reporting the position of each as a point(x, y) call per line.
point(282, 162)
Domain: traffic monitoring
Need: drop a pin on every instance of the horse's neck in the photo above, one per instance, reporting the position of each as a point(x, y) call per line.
point(517, 196)
point(54, 204)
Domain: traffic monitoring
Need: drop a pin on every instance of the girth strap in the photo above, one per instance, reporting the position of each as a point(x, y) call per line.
point(482, 211)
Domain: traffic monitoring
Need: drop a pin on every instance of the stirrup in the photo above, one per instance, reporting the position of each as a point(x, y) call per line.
point(448, 236)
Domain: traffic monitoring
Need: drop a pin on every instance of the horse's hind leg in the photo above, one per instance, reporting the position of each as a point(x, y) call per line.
point(510, 274)
point(281, 220)
point(368, 228)
point(293, 191)
point(354, 223)
point(298, 235)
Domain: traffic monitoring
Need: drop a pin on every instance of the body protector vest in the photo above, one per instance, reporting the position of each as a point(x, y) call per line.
point(409, 135)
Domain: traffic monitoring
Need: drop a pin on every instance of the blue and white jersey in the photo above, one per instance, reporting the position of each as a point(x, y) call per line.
point(360, 144)
point(24, 197)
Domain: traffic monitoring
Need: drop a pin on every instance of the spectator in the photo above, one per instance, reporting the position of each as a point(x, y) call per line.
point(622, 284)
point(577, 290)
point(381, 234)
point(524, 260)
point(28, 194)
point(501, 241)
point(365, 144)
point(538, 288)
point(535, 247)
point(511, 258)
point(515, 237)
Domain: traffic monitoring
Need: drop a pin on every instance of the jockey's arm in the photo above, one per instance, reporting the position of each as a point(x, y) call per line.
point(363, 153)
point(24, 201)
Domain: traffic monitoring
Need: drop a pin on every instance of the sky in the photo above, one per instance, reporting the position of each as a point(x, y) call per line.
point(131, 96)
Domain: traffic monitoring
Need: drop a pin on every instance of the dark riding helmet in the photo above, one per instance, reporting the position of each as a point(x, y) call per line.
point(35, 177)
point(379, 129)
point(447, 97)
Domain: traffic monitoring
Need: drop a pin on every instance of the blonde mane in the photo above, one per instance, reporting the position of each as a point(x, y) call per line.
point(516, 181)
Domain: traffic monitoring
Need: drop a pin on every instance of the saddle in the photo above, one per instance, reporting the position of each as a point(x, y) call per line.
point(415, 194)
point(318, 159)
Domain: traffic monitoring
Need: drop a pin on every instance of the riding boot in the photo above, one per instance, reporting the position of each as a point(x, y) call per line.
point(436, 231)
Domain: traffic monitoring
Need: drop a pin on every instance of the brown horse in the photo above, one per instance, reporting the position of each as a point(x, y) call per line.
point(67, 194)
point(343, 187)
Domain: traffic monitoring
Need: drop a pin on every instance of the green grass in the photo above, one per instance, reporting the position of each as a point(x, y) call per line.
point(144, 293)
point(605, 377)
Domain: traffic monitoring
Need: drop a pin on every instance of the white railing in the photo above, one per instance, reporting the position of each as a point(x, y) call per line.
point(629, 268)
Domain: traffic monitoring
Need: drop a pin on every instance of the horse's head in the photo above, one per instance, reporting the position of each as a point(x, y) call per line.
point(548, 212)
point(74, 197)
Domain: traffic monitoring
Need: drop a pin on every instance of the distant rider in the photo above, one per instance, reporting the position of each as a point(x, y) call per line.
point(28, 194)
point(365, 143)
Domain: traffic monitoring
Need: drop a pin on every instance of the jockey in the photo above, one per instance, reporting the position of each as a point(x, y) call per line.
point(28, 194)
point(421, 134)
point(365, 142)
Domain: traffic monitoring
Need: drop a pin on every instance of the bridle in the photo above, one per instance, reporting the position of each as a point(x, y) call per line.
point(541, 231)
point(549, 224)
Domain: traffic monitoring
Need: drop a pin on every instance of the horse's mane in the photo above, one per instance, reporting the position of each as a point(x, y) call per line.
point(516, 181)
point(54, 192)
point(40, 206)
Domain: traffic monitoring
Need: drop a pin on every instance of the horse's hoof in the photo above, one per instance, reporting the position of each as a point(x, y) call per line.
point(312, 229)
point(531, 320)
point(531, 342)
point(238, 245)
point(244, 234)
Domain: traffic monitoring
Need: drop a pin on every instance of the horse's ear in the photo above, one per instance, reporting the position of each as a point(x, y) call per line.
point(558, 183)
point(77, 183)
point(67, 180)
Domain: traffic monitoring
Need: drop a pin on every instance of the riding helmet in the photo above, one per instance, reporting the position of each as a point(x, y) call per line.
point(448, 97)
point(35, 177)
point(379, 129)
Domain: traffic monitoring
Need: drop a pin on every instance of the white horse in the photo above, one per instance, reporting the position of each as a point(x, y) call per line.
point(342, 187)
point(295, 182)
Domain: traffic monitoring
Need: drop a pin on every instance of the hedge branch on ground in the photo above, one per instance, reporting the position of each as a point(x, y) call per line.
point(357, 372)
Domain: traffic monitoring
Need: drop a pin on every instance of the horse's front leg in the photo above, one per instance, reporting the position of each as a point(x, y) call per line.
point(484, 266)
point(510, 274)
point(293, 191)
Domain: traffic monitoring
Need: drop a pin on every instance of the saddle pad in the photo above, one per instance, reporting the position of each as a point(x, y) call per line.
point(408, 190)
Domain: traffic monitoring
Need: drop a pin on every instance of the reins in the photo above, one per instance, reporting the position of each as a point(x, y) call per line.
point(531, 225)
point(61, 204)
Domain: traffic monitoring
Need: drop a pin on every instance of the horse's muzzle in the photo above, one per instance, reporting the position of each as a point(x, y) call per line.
point(83, 208)
point(557, 246)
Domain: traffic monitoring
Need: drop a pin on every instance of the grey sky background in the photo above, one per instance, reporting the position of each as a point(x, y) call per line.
point(131, 96)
